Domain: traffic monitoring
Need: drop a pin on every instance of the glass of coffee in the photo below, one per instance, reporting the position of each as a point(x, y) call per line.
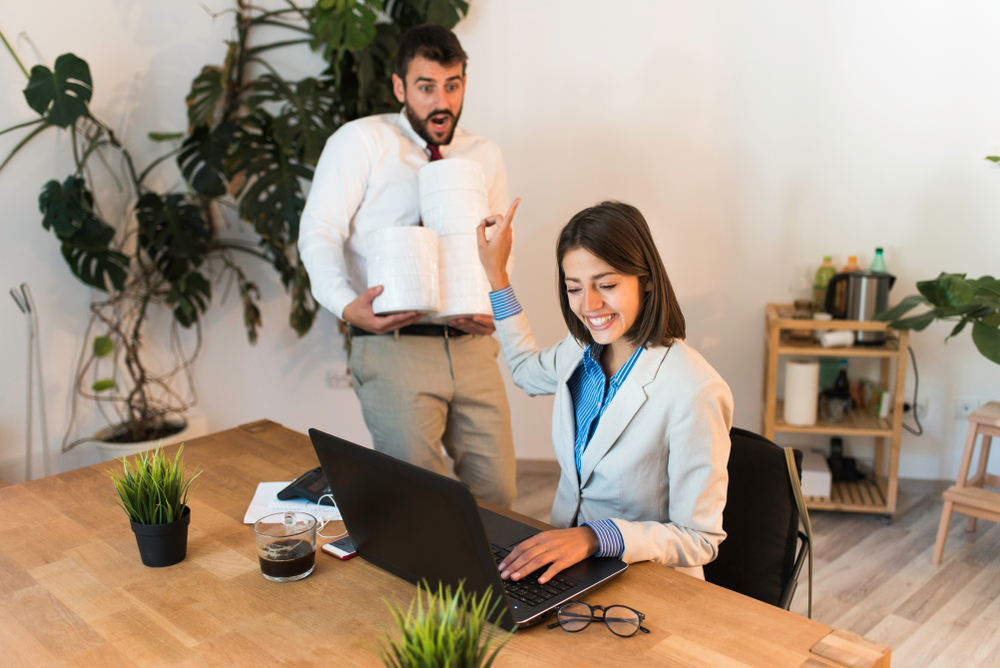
point(286, 545)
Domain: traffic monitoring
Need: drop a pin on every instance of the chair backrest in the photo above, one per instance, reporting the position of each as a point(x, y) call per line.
point(761, 521)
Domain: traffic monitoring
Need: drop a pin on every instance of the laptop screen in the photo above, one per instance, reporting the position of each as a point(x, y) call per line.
point(413, 523)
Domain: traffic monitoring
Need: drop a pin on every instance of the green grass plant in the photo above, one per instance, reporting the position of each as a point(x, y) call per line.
point(152, 489)
point(444, 630)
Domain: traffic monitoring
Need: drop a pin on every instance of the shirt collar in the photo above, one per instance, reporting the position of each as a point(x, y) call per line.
point(592, 363)
point(404, 123)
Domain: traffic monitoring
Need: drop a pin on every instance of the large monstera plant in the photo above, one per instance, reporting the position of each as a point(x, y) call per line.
point(251, 146)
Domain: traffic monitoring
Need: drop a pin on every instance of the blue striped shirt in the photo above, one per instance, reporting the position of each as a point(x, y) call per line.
point(592, 394)
point(504, 303)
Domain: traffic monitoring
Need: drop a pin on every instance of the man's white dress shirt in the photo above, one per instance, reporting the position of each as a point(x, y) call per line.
point(366, 179)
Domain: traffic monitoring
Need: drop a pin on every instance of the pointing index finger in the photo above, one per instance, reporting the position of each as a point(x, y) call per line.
point(509, 218)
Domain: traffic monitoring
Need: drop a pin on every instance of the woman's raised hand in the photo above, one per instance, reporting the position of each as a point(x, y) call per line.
point(495, 252)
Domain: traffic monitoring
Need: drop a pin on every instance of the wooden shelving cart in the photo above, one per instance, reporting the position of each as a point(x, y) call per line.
point(866, 496)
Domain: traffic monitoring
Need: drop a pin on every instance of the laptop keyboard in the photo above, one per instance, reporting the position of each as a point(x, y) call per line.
point(527, 590)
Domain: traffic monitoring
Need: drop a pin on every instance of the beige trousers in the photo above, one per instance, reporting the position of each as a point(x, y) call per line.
point(421, 392)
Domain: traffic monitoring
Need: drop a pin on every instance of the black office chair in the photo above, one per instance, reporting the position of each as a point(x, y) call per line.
point(760, 557)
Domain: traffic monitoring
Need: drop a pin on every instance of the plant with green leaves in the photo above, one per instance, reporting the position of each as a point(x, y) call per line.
point(251, 146)
point(445, 629)
point(955, 298)
point(153, 489)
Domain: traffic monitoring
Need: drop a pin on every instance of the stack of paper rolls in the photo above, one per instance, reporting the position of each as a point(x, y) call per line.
point(404, 260)
point(453, 196)
point(465, 290)
point(453, 201)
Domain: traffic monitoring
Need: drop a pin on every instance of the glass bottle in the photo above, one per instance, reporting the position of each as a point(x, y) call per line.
point(878, 264)
point(825, 272)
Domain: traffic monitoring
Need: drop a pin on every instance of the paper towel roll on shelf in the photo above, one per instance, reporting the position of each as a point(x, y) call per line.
point(801, 392)
point(453, 197)
point(405, 261)
point(841, 338)
point(465, 290)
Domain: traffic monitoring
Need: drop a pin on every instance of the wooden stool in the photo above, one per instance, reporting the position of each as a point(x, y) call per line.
point(967, 495)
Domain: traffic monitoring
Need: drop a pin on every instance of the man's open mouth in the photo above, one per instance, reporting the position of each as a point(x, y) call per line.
point(440, 122)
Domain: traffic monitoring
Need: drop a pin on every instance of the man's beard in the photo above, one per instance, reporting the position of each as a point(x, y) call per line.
point(420, 125)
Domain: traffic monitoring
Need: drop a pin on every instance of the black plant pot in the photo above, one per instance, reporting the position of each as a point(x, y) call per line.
point(163, 544)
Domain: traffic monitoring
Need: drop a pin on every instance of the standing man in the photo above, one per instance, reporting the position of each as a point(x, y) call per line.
point(421, 385)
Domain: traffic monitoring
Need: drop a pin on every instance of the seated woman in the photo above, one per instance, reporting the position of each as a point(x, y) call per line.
point(641, 421)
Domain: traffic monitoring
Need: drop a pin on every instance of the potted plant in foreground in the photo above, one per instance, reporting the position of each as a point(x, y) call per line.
point(153, 492)
point(444, 629)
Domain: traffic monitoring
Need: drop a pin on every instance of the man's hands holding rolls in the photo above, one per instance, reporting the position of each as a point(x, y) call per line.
point(360, 314)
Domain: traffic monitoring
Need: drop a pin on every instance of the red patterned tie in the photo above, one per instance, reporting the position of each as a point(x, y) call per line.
point(435, 155)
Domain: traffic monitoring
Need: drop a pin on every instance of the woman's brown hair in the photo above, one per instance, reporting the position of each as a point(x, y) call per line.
point(618, 234)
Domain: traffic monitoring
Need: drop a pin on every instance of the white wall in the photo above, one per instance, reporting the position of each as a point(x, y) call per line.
point(755, 137)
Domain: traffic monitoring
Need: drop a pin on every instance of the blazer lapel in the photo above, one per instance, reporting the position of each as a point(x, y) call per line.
point(564, 448)
point(564, 434)
point(629, 398)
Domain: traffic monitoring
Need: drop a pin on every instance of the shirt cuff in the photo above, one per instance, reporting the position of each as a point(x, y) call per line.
point(504, 303)
point(608, 537)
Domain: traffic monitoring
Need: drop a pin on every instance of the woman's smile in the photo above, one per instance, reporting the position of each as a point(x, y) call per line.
point(600, 322)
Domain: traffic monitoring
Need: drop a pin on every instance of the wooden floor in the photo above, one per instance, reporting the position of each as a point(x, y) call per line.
point(877, 580)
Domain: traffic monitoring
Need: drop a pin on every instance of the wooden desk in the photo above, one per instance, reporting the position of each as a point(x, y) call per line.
point(74, 593)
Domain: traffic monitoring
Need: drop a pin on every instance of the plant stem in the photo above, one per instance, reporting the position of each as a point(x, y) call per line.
point(16, 59)
point(145, 172)
point(23, 142)
point(22, 125)
point(275, 45)
point(234, 245)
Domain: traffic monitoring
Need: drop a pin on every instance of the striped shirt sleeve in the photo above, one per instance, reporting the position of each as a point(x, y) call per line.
point(608, 537)
point(504, 303)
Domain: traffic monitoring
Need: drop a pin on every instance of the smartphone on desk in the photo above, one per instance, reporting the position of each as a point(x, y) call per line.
point(341, 548)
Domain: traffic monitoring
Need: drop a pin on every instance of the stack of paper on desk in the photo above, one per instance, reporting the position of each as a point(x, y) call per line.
point(265, 501)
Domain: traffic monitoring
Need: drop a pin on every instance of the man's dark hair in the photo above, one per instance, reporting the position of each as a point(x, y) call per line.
point(433, 42)
point(618, 234)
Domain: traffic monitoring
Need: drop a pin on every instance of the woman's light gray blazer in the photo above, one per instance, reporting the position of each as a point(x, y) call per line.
point(657, 463)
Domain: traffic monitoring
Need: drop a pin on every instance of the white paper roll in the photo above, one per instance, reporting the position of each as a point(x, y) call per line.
point(449, 174)
point(836, 338)
point(801, 392)
point(405, 261)
point(453, 197)
point(465, 290)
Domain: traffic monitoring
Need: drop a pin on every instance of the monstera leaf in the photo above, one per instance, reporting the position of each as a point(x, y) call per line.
point(446, 13)
point(190, 296)
point(271, 197)
point(341, 25)
point(955, 297)
point(306, 116)
point(442, 12)
point(365, 82)
point(173, 233)
point(207, 91)
point(304, 307)
point(95, 268)
point(60, 96)
point(202, 158)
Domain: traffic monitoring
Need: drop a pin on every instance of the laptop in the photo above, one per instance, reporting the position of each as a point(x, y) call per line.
point(421, 526)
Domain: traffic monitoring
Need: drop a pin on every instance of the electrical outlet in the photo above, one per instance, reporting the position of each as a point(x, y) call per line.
point(922, 408)
point(966, 406)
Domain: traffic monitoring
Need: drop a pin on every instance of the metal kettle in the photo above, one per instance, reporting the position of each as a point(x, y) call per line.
point(866, 295)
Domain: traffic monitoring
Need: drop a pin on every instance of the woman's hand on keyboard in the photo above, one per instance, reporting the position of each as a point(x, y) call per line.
point(559, 549)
